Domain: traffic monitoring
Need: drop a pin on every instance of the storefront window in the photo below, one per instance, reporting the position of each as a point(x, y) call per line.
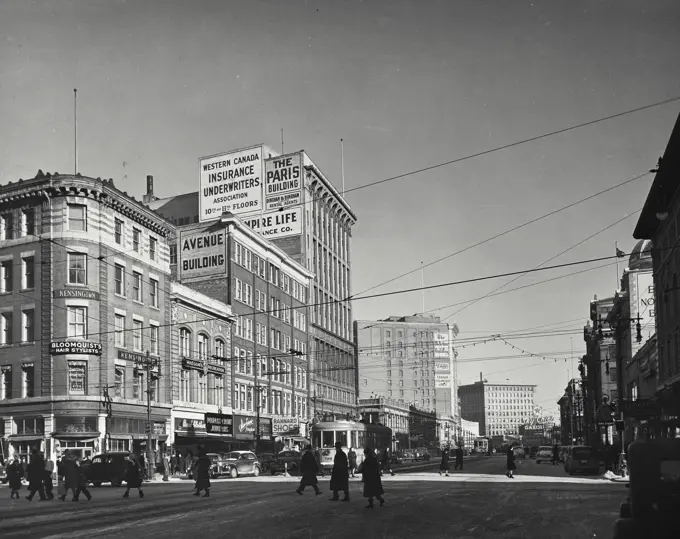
point(77, 377)
point(30, 425)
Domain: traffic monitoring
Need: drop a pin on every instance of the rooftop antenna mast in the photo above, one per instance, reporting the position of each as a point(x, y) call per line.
point(422, 282)
point(342, 165)
point(75, 131)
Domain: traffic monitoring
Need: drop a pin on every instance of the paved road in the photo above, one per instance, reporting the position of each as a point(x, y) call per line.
point(496, 465)
point(418, 505)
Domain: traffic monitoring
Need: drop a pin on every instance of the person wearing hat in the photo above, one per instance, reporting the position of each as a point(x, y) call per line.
point(340, 474)
point(370, 471)
point(308, 469)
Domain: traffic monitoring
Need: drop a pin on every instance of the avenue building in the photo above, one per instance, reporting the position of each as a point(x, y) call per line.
point(85, 280)
point(266, 359)
point(500, 409)
point(288, 200)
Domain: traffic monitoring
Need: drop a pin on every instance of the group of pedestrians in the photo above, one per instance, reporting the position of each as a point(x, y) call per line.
point(446, 457)
point(343, 467)
point(71, 475)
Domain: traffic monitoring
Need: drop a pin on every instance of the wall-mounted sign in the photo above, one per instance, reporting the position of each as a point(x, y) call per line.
point(202, 253)
point(193, 364)
point(277, 224)
point(219, 424)
point(132, 356)
point(75, 293)
point(159, 427)
point(283, 181)
point(441, 345)
point(442, 367)
point(230, 182)
point(442, 381)
point(284, 425)
point(189, 425)
point(81, 348)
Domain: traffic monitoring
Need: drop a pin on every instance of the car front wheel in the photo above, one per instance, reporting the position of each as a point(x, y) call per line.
point(233, 473)
point(256, 471)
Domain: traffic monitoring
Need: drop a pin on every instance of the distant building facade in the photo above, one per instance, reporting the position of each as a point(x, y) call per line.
point(85, 286)
point(500, 409)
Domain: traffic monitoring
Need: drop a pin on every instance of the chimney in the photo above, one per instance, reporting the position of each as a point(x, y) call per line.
point(481, 379)
point(149, 196)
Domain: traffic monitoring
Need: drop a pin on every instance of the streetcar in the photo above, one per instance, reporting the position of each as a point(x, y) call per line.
point(352, 434)
point(481, 445)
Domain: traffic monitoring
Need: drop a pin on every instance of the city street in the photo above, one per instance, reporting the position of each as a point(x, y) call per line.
point(420, 504)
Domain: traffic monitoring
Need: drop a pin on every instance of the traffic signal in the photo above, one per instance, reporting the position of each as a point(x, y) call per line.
point(147, 428)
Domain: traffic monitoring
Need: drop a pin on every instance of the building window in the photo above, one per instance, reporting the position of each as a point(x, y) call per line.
point(202, 346)
point(184, 385)
point(219, 390)
point(185, 342)
point(28, 325)
point(173, 254)
point(27, 381)
point(6, 269)
point(220, 349)
point(77, 217)
point(77, 322)
point(77, 268)
point(7, 227)
point(119, 276)
point(119, 382)
point(202, 388)
point(137, 384)
point(137, 335)
point(137, 286)
point(28, 222)
point(77, 377)
point(28, 272)
point(153, 339)
point(5, 383)
point(153, 248)
point(153, 292)
point(136, 238)
point(118, 232)
point(120, 330)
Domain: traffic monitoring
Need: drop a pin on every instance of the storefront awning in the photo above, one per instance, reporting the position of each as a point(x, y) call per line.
point(25, 437)
point(81, 436)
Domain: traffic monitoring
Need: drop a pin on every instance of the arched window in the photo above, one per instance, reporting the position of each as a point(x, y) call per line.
point(220, 348)
point(184, 342)
point(202, 346)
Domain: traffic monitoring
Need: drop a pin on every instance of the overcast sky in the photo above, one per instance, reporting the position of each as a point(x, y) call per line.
point(407, 84)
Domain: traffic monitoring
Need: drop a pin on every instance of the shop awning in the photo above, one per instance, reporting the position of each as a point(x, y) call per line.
point(25, 437)
point(81, 436)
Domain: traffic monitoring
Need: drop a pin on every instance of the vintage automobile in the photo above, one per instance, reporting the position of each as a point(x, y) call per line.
point(287, 457)
point(108, 468)
point(582, 459)
point(232, 464)
point(545, 454)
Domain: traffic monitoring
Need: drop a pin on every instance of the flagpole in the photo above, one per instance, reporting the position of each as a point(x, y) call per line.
point(75, 131)
point(422, 282)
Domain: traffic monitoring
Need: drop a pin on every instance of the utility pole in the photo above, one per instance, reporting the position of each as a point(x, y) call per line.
point(293, 354)
point(148, 363)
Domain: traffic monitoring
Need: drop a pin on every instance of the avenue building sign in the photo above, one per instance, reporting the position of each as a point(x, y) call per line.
point(202, 254)
point(76, 294)
point(81, 348)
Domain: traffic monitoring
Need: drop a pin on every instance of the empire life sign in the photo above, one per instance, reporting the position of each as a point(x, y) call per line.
point(202, 254)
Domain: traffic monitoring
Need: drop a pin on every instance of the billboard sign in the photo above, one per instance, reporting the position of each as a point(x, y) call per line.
point(284, 425)
point(642, 303)
point(202, 254)
point(230, 182)
point(442, 381)
point(283, 182)
point(219, 424)
point(442, 367)
point(278, 224)
point(441, 345)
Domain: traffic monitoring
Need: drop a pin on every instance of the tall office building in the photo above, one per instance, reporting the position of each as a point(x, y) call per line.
point(500, 409)
point(408, 359)
point(288, 200)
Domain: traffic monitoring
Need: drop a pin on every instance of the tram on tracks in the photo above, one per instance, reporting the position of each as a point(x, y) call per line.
point(325, 434)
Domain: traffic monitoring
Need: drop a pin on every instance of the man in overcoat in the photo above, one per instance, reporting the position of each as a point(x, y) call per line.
point(308, 469)
point(340, 474)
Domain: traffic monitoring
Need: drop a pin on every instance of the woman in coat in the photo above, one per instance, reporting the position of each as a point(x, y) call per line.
point(370, 472)
point(510, 463)
point(14, 474)
point(202, 474)
point(444, 466)
point(340, 474)
point(308, 469)
point(134, 477)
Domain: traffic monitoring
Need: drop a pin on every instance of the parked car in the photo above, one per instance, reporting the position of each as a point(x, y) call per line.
point(545, 454)
point(287, 457)
point(242, 463)
point(582, 459)
point(519, 452)
point(266, 460)
point(108, 468)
